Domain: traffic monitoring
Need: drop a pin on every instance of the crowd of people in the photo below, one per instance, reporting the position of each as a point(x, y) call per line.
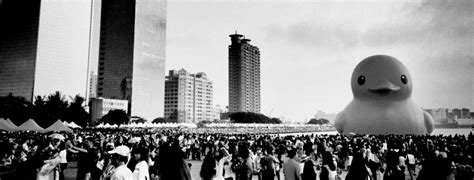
point(165, 153)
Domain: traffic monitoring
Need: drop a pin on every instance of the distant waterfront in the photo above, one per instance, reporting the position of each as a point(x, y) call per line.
point(443, 131)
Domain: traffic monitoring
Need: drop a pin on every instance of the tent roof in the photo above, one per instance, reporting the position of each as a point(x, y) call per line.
point(4, 125)
point(29, 125)
point(58, 126)
point(73, 125)
point(11, 123)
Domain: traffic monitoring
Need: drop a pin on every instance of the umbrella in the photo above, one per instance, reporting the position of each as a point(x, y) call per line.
point(57, 136)
point(134, 140)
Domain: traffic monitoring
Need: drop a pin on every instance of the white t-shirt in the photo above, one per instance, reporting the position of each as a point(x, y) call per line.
point(25, 147)
point(331, 174)
point(401, 160)
point(411, 159)
point(63, 155)
point(228, 171)
point(121, 173)
point(141, 171)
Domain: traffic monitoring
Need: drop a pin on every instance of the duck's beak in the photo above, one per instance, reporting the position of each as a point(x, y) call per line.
point(384, 88)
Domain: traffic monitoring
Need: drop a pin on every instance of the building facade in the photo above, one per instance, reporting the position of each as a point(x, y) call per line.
point(244, 75)
point(219, 111)
point(188, 97)
point(132, 54)
point(93, 85)
point(465, 113)
point(440, 115)
point(44, 48)
point(457, 113)
point(100, 107)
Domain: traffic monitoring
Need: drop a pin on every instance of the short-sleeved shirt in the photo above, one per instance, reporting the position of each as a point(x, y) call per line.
point(122, 173)
point(291, 170)
point(141, 171)
point(411, 159)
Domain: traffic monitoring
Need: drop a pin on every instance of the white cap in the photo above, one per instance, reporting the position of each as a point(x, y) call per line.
point(121, 150)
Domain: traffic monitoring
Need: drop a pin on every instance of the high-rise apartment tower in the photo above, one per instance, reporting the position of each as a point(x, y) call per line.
point(188, 97)
point(244, 75)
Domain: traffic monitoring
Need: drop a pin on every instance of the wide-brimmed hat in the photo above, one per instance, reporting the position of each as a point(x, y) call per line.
point(121, 150)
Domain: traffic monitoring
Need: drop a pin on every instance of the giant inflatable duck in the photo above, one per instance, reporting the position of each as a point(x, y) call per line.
point(382, 102)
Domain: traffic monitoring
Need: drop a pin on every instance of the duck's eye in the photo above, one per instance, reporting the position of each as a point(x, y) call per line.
point(404, 79)
point(361, 80)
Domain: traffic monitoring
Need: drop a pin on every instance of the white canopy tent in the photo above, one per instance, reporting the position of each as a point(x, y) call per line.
point(30, 125)
point(11, 123)
point(58, 126)
point(73, 125)
point(4, 125)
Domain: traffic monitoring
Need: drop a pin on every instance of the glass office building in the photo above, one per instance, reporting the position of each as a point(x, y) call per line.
point(44, 47)
point(132, 54)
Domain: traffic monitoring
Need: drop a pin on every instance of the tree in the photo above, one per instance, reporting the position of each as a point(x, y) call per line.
point(76, 113)
point(201, 124)
point(44, 110)
point(249, 117)
point(318, 121)
point(275, 121)
point(54, 108)
point(116, 116)
point(159, 120)
point(39, 109)
point(17, 109)
point(137, 119)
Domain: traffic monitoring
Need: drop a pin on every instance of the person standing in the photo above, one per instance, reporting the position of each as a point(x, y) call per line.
point(63, 163)
point(228, 174)
point(411, 164)
point(329, 167)
point(393, 172)
point(222, 159)
point(401, 161)
point(244, 170)
point(268, 164)
point(120, 157)
point(171, 164)
point(291, 168)
point(358, 169)
point(208, 168)
point(141, 168)
point(86, 156)
point(308, 170)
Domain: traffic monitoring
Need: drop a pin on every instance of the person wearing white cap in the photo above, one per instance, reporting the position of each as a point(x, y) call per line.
point(120, 157)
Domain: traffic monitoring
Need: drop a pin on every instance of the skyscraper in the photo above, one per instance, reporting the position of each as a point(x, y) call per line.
point(188, 97)
point(244, 75)
point(44, 47)
point(132, 54)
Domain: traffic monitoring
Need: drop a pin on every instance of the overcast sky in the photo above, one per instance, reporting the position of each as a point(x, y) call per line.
point(310, 48)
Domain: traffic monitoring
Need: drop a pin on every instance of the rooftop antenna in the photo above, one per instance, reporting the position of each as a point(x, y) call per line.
point(235, 31)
